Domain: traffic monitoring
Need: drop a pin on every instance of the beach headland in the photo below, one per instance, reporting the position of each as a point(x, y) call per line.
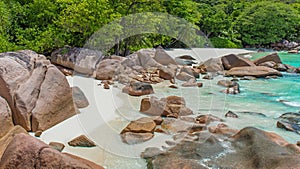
point(193, 121)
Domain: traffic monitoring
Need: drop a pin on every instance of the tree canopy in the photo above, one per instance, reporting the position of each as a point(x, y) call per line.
point(45, 25)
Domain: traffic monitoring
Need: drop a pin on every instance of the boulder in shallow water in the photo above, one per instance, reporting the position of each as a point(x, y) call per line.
point(290, 121)
point(274, 57)
point(227, 83)
point(166, 73)
point(141, 125)
point(256, 71)
point(135, 138)
point(230, 61)
point(183, 76)
point(138, 89)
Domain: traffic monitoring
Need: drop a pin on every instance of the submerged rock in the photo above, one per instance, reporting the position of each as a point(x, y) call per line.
point(231, 114)
point(135, 138)
point(290, 121)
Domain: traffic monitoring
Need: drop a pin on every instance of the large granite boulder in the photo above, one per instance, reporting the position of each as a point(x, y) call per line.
point(79, 59)
point(6, 120)
point(107, 69)
point(256, 71)
point(8, 137)
point(163, 57)
point(12, 74)
point(273, 57)
point(38, 94)
point(213, 65)
point(230, 61)
point(55, 89)
point(144, 58)
point(25, 151)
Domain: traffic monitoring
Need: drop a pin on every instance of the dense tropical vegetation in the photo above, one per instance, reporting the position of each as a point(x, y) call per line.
point(45, 25)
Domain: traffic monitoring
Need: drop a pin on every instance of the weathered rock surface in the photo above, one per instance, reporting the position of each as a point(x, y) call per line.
point(55, 89)
point(38, 94)
point(290, 121)
point(57, 146)
point(107, 69)
point(227, 83)
point(141, 125)
point(8, 137)
point(79, 59)
point(25, 151)
point(249, 148)
point(256, 71)
point(166, 73)
point(6, 120)
point(135, 138)
point(144, 58)
point(274, 57)
point(81, 141)
point(183, 76)
point(172, 106)
point(213, 65)
point(163, 57)
point(230, 61)
point(79, 98)
point(138, 89)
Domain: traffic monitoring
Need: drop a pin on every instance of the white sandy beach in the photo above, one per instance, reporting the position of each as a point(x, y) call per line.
point(203, 54)
point(108, 113)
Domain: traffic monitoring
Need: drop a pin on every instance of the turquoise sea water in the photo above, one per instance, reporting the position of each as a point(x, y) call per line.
point(261, 96)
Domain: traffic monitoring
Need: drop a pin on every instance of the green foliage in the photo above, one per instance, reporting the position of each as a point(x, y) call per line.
point(223, 43)
point(268, 22)
point(45, 25)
